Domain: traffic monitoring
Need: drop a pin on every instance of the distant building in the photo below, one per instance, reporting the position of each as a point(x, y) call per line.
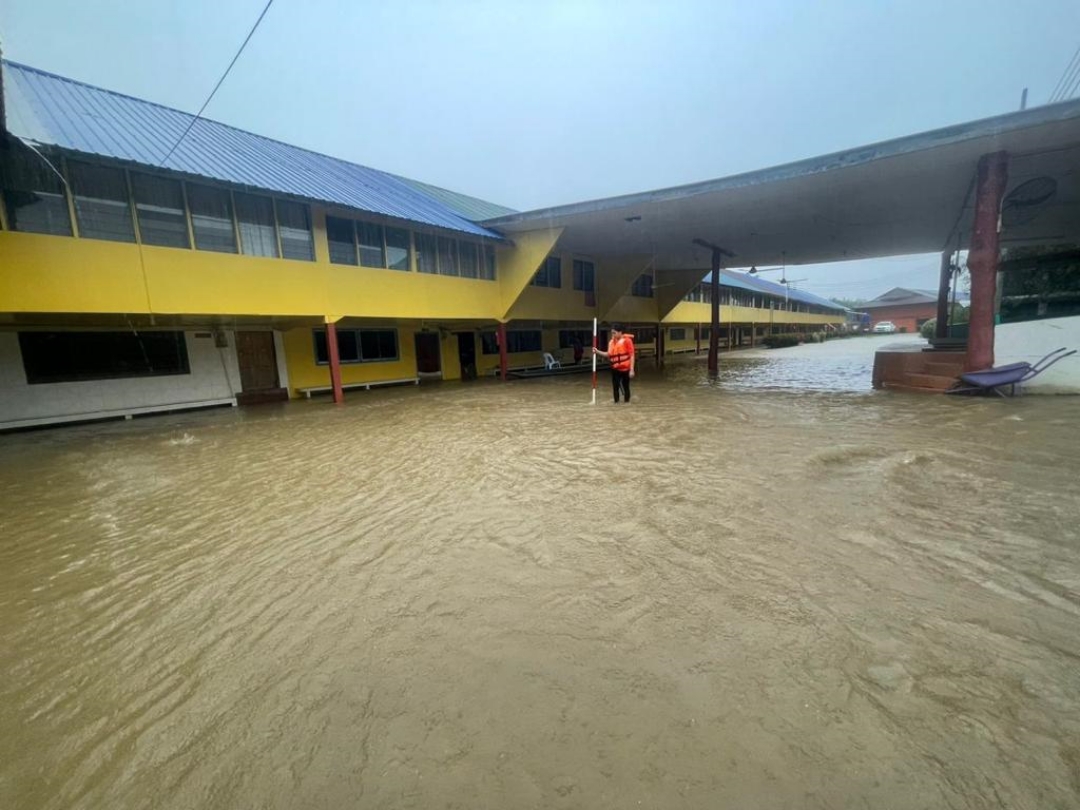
point(908, 309)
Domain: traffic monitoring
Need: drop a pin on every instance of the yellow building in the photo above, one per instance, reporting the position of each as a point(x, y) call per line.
point(142, 269)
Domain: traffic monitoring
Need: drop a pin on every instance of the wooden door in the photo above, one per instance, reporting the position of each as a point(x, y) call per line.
point(258, 361)
point(428, 353)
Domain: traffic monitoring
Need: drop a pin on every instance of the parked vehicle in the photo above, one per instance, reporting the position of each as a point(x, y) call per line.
point(884, 328)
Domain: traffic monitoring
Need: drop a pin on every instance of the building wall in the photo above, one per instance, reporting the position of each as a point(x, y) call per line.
point(908, 317)
point(304, 372)
point(693, 313)
point(214, 377)
point(1030, 341)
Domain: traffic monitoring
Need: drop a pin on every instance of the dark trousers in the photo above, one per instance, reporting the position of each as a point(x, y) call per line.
point(620, 378)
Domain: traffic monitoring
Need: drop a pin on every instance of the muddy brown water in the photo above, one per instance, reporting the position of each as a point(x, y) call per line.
point(499, 596)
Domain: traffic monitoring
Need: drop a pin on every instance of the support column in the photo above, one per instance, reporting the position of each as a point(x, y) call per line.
point(982, 259)
point(714, 331)
point(502, 352)
point(753, 334)
point(335, 363)
point(659, 344)
point(941, 328)
point(698, 335)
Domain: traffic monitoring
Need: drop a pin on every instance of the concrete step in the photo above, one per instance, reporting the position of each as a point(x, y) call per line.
point(913, 389)
point(943, 369)
point(936, 382)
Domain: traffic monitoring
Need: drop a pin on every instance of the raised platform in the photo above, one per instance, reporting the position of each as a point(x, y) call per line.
point(911, 368)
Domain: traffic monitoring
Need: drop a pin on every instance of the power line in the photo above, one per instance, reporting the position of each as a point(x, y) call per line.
point(210, 98)
point(1061, 80)
point(1073, 88)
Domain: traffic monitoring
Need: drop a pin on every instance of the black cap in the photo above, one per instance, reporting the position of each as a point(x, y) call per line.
point(616, 327)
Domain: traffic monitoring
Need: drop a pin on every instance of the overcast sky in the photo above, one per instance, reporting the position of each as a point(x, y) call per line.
point(533, 104)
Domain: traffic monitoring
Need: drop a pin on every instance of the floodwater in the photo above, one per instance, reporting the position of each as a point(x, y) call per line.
point(489, 596)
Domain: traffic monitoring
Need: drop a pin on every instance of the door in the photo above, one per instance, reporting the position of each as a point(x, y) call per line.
point(467, 354)
point(258, 367)
point(428, 354)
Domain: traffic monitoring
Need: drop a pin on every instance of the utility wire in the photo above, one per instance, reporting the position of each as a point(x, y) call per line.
point(1061, 80)
point(210, 98)
point(1072, 89)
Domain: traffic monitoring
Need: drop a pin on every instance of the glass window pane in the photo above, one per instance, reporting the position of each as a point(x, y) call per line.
point(322, 353)
point(341, 236)
point(159, 203)
point(294, 225)
point(470, 259)
point(211, 219)
point(52, 357)
point(488, 270)
point(397, 249)
point(102, 208)
point(369, 237)
point(348, 346)
point(448, 265)
point(426, 248)
point(255, 217)
point(33, 194)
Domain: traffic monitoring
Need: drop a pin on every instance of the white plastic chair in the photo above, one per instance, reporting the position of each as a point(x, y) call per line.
point(550, 362)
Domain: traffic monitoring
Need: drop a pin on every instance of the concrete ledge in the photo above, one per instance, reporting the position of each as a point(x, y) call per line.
point(367, 386)
point(118, 413)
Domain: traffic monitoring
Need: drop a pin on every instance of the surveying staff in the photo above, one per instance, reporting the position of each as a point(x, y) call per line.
point(620, 353)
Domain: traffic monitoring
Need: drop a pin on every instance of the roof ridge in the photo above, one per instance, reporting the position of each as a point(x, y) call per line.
point(50, 74)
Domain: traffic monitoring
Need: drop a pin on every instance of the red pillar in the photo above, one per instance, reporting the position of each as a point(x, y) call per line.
point(335, 363)
point(659, 344)
point(502, 352)
point(982, 260)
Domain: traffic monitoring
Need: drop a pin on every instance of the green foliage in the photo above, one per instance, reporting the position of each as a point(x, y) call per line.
point(927, 329)
point(781, 341)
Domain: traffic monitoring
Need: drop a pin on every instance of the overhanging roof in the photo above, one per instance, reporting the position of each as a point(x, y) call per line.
point(903, 196)
point(51, 110)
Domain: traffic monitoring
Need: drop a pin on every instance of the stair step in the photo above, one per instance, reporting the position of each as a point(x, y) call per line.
point(938, 382)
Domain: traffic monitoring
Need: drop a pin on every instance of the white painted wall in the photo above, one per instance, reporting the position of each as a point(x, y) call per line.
point(214, 378)
point(1032, 340)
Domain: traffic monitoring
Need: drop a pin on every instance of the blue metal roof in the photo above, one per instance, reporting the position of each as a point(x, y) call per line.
point(55, 111)
point(744, 281)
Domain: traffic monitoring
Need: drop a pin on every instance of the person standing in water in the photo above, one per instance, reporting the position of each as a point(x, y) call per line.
point(620, 353)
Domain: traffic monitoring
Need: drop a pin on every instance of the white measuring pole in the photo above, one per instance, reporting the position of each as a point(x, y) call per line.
point(594, 361)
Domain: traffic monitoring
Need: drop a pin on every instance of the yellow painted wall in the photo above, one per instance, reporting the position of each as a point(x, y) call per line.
point(304, 372)
point(554, 304)
point(451, 364)
point(691, 312)
point(40, 273)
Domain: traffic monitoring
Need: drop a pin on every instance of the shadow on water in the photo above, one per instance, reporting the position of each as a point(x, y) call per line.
point(749, 592)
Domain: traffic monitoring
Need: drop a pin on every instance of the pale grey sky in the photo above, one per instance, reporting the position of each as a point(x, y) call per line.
point(532, 104)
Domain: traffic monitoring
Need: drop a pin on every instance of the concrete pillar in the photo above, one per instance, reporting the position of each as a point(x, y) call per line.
point(698, 336)
point(993, 172)
point(335, 363)
point(503, 364)
point(714, 332)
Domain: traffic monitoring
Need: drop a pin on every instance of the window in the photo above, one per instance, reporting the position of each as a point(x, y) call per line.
point(487, 271)
point(448, 265)
point(33, 194)
point(370, 238)
point(342, 239)
point(211, 219)
point(358, 345)
point(567, 337)
point(397, 249)
point(159, 204)
point(642, 287)
point(584, 276)
point(102, 207)
point(294, 227)
point(426, 253)
point(255, 218)
point(645, 334)
point(469, 256)
point(517, 341)
point(677, 334)
point(53, 357)
point(549, 274)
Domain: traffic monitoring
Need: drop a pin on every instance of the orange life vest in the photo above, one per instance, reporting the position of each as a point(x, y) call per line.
point(621, 352)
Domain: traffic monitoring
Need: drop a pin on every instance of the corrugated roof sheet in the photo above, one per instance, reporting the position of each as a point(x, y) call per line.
point(472, 208)
point(56, 111)
point(744, 281)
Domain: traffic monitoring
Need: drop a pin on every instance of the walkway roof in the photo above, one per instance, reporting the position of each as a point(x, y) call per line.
point(50, 110)
point(903, 196)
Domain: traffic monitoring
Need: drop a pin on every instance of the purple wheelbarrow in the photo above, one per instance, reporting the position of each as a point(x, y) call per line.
point(996, 380)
